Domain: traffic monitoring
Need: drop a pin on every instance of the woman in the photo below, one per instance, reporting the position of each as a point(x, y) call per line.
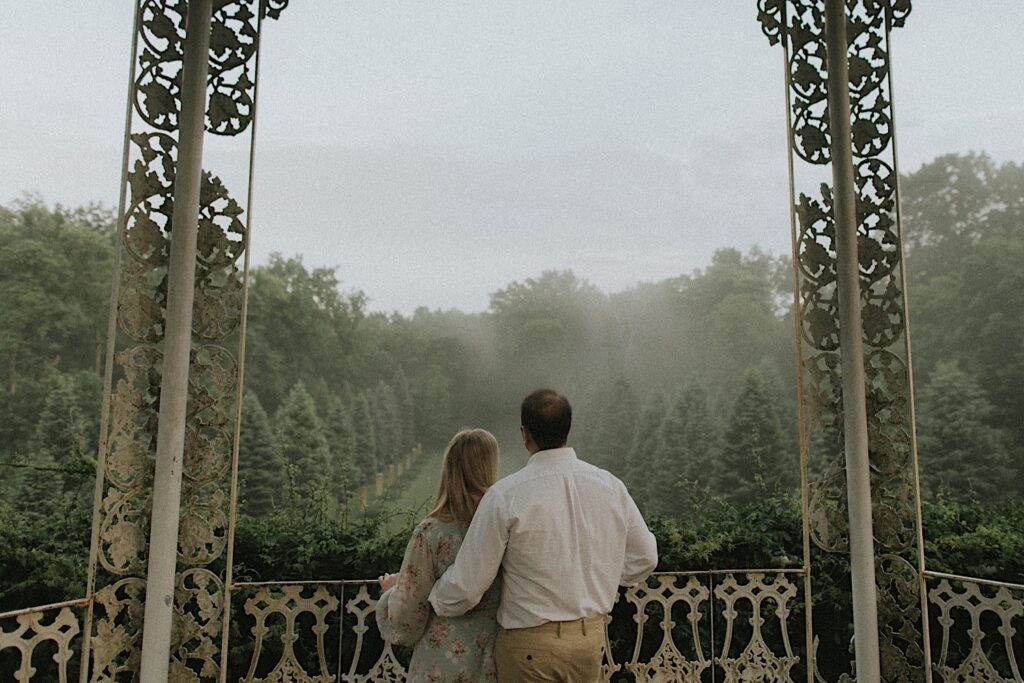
point(459, 649)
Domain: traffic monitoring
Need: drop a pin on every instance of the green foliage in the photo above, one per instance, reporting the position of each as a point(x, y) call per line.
point(260, 467)
point(612, 436)
point(406, 408)
point(544, 315)
point(20, 411)
point(646, 442)
point(388, 425)
point(765, 532)
point(754, 457)
point(288, 545)
point(731, 311)
point(301, 440)
point(975, 539)
point(55, 269)
point(961, 454)
point(687, 452)
point(43, 559)
point(964, 220)
point(365, 458)
point(287, 302)
point(341, 439)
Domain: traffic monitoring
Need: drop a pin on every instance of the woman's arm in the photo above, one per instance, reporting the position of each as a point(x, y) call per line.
point(402, 611)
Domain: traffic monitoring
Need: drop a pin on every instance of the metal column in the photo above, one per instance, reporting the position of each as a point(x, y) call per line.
point(163, 540)
point(855, 425)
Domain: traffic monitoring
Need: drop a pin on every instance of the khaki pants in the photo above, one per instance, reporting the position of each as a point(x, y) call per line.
point(559, 652)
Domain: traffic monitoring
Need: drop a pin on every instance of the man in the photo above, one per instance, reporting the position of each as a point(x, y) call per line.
point(566, 535)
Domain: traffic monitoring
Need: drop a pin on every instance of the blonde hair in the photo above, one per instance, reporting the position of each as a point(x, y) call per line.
point(470, 467)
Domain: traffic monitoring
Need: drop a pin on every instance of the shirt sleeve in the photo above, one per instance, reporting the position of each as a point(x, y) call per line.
point(402, 611)
point(641, 547)
point(464, 583)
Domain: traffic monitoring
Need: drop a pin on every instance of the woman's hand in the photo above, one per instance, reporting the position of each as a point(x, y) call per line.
point(387, 581)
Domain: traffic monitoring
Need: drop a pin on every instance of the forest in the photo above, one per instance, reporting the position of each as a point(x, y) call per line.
point(685, 388)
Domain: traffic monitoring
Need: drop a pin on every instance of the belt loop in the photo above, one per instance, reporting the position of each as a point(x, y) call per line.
point(558, 629)
point(584, 622)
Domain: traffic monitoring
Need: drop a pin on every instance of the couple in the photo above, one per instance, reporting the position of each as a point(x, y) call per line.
point(564, 535)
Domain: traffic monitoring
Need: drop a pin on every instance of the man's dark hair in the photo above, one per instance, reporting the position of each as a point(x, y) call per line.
point(547, 415)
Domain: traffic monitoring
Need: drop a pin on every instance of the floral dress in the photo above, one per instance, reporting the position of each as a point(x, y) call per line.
point(447, 649)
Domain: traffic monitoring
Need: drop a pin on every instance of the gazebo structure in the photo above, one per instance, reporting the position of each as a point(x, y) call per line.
point(166, 487)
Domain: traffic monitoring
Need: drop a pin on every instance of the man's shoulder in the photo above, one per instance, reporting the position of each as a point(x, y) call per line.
point(511, 482)
point(598, 473)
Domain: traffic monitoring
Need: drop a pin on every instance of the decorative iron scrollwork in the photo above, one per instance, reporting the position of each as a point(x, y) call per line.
point(899, 620)
point(386, 667)
point(117, 629)
point(232, 47)
point(757, 660)
point(290, 602)
point(157, 88)
point(799, 25)
point(668, 662)
point(230, 81)
point(199, 609)
point(274, 8)
point(123, 508)
point(990, 617)
point(36, 628)
point(127, 468)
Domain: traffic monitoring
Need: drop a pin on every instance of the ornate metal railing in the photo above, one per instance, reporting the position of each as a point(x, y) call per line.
point(978, 630)
point(678, 626)
point(40, 640)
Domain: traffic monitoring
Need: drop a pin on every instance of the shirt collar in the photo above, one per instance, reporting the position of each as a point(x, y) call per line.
point(552, 455)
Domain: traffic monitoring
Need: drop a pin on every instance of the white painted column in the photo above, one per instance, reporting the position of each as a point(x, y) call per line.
point(170, 446)
point(855, 423)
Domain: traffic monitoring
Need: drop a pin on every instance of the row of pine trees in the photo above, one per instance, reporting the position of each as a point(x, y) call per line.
point(303, 452)
point(322, 452)
point(675, 448)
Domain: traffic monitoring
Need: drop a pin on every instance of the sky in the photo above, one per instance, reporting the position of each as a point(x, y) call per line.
point(435, 152)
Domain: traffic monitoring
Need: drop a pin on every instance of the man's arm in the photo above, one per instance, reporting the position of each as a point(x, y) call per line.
point(465, 582)
point(641, 547)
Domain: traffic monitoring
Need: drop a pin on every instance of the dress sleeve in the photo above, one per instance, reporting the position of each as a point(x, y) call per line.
point(402, 611)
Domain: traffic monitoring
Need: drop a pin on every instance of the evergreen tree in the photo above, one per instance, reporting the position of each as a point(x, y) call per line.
point(59, 468)
point(365, 456)
point(702, 437)
point(685, 451)
point(60, 439)
point(406, 411)
point(754, 456)
point(388, 426)
point(588, 411)
point(646, 442)
point(300, 438)
point(341, 438)
point(260, 468)
point(614, 434)
point(961, 454)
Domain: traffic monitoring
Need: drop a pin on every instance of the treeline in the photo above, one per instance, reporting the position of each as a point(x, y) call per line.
point(302, 460)
point(685, 387)
point(675, 451)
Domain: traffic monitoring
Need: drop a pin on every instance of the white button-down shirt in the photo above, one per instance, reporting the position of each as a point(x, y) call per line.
point(566, 534)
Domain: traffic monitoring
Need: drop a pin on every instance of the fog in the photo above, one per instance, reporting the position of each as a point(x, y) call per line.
point(434, 153)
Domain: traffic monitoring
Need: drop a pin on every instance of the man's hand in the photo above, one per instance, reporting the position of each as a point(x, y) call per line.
point(387, 581)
